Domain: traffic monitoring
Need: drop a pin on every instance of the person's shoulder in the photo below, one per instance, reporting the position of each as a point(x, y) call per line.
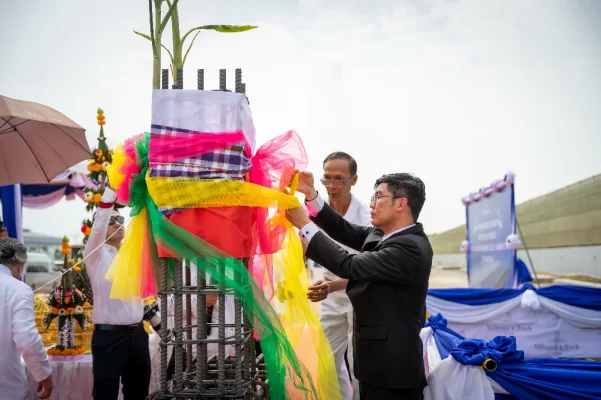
point(363, 213)
point(16, 288)
point(415, 240)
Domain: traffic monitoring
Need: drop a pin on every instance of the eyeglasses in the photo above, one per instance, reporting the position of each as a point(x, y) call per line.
point(377, 196)
point(119, 219)
point(334, 182)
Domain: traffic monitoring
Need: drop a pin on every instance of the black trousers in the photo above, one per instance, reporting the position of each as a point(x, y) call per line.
point(368, 392)
point(120, 354)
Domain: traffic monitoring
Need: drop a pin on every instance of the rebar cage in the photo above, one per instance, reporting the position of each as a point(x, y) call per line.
point(241, 376)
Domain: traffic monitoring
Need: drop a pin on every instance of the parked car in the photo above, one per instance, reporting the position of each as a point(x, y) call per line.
point(40, 270)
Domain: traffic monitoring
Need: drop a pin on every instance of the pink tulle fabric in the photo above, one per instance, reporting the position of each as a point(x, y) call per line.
point(274, 164)
point(130, 167)
point(178, 146)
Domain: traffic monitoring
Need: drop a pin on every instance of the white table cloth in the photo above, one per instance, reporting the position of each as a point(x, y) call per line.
point(73, 380)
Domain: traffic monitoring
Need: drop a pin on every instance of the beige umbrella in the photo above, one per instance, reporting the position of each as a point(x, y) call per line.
point(37, 143)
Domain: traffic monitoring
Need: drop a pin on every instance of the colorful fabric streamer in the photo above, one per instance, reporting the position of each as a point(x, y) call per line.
point(298, 316)
point(223, 206)
point(288, 377)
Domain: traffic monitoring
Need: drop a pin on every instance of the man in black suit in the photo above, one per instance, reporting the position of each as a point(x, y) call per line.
point(388, 280)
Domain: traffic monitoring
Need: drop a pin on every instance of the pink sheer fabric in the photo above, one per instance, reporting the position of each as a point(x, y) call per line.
point(175, 146)
point(273, 164)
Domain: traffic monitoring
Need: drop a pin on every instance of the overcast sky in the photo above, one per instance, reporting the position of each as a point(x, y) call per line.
point(457, 92)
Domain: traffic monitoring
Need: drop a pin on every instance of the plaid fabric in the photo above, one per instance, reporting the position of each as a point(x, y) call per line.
point(230, 162)
point(169, 156)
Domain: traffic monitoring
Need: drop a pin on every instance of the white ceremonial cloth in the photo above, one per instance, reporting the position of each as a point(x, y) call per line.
point(203, 111)
point(19, 338)
point(542, 327)
point(74, 380)
point(451, 380)
point(98, 258)
point(454, 380)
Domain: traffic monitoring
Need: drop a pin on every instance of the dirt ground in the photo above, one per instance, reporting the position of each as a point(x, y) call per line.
point(448, 277)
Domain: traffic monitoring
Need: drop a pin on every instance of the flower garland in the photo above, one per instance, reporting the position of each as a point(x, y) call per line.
point(66, 304)
point(102, 157)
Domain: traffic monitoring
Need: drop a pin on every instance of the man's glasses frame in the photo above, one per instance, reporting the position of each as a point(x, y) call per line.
point(119, 219)
point(334, 182)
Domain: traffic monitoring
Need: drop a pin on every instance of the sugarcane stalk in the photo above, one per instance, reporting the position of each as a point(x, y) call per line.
point(177, 40)
point(178, 57)
point(156, 42)
point(157, 27)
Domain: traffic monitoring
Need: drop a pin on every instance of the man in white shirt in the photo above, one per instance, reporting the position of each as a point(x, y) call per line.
point(18, 334)
point(119, 342)
point(336, 314)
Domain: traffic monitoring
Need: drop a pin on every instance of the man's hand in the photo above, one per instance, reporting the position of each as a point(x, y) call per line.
point(47, 385)
point(297, 217)
point(211, 300)
point(319, 291)
point(306, 185)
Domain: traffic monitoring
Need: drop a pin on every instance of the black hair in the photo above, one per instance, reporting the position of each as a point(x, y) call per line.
point(12, 252)
point(340, 155)
point(408, 186)
point(114, 208)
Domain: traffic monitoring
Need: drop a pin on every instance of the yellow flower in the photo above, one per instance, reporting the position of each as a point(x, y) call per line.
point(76, 269)
point(86, 304)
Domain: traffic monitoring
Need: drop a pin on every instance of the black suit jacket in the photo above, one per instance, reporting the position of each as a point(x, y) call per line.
point(388, 283)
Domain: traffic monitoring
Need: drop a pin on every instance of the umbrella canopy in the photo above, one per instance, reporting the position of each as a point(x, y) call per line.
point(37, 143)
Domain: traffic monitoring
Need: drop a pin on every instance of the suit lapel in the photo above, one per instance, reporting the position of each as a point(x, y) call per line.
point(372, 240)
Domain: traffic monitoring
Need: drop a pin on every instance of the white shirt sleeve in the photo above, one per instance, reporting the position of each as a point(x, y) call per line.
point(97, 237)
point(307, 232)
point(27, 339)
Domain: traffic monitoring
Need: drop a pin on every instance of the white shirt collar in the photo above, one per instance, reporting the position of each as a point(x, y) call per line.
point(397, 231)
point(353, 207)
point(4, 270)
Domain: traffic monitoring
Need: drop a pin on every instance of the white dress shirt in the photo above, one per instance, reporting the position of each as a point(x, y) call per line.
point(98, 258)
point(19, 337)
point(357, 213)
